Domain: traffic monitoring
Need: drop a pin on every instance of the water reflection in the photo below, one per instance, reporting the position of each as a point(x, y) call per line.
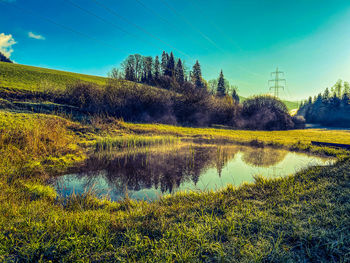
point(148, 173)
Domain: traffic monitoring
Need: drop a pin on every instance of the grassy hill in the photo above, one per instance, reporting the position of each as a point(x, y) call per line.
point(30, 78)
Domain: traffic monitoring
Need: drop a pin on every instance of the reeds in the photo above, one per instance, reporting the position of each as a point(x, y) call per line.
point(133, 141)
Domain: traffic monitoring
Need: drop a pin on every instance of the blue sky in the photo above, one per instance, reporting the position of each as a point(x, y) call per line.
point(307, 39)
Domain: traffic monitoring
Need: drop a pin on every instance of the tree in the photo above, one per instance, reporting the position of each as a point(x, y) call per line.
point(346, 87)
point(138, 66)
point(337, 88)
point(164, 62)
point(156, 68)
point(179, 72)
point(128, 66)
point(235, 96)
point(147, 69)
point(213, 84)
point(221, 91)
point(3, 58)
point(196, 75)
point(310, 100)
point(326, 94)
point(115, 74)
point(170, 69)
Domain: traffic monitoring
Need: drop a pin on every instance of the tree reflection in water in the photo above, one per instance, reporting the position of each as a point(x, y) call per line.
point(167, 168)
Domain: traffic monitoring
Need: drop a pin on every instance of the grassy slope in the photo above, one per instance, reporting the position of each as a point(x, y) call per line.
point(30, 78)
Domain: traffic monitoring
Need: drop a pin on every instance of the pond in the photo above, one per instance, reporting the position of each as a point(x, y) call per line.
point(148, 173)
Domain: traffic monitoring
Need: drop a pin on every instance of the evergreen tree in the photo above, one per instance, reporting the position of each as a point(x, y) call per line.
point(170, 69)
point(197, 76)
point(310, 100)
point(156, 68)
point(179, 72)
point(235, 96)
point(3, 58)
point(326, 94)
point(164, 62)
point(221, 91)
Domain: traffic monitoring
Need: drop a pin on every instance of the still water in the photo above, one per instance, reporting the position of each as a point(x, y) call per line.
point(147, 174)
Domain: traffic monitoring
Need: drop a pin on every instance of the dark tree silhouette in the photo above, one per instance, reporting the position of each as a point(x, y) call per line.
point(196, 76)
point(170, 69)
point(156, 68)
point(3, 58)
point(235, 96)
point(221, 90)
point(179, 72)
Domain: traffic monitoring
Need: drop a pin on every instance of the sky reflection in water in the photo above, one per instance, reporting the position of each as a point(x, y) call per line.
point(146, 174)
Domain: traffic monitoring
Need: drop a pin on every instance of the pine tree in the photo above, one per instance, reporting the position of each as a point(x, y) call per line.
point(156, 68)
point(3, 58)
point(179, 72)
point(326, 94)
point(164, 62)
point(196, 76)
point(235, 96)
point(170, 69)
point(221, 91)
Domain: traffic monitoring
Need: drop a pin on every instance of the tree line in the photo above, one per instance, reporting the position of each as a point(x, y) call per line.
point(170, 73)
point(330, 107)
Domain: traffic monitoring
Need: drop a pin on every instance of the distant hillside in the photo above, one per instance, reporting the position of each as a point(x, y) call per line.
point(34, 79)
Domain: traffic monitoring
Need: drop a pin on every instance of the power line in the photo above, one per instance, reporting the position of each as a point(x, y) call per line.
point(191, 25)
point(107, 22)
point(137, 26)
point(196, 5)
point(60, 25)
point(276, 87)
point(156, 14)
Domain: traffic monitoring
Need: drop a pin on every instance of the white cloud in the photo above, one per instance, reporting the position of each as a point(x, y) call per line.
point(36, 36)
point(6, 42)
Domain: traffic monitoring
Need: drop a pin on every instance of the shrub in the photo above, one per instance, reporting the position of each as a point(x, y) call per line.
point(266, 113)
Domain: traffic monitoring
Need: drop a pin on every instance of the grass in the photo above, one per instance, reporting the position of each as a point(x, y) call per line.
point(300, 218)
point(133, 141)
point(28, 78)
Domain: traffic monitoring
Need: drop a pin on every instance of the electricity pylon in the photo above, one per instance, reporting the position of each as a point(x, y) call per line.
point(277, 81)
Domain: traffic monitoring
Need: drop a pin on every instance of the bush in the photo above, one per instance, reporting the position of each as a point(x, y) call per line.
point(266, 113)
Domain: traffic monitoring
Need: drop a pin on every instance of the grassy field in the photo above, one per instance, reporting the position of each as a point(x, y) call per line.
point(300, 218)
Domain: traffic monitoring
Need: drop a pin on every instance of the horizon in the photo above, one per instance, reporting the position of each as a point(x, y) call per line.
point(308, 44)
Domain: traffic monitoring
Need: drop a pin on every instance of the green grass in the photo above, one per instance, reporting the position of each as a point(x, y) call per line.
point(28, 78)
point(300, 218)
